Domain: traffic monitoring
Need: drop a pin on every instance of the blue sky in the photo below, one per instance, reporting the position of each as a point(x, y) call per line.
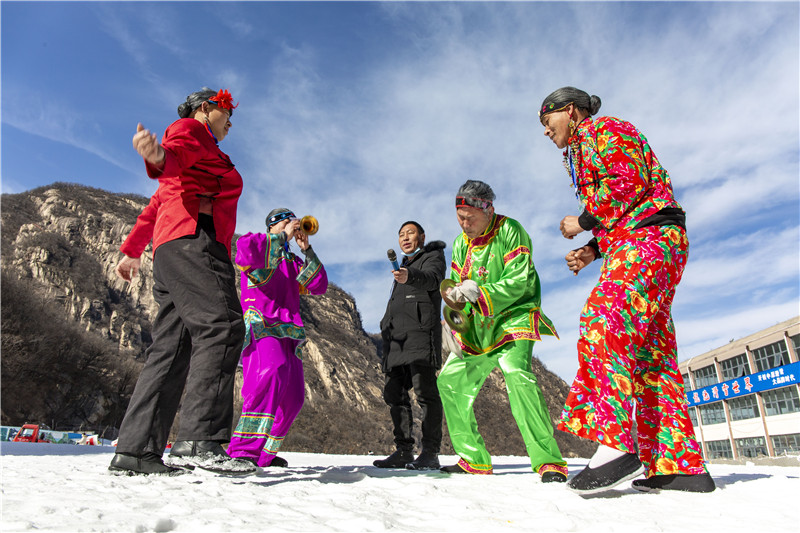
point(367, 114)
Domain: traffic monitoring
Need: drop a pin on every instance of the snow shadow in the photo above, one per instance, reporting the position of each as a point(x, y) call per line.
point(730, 479)
point(45, 448)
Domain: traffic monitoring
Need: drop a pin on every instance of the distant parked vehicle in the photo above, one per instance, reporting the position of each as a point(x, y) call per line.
point(7, 433)
point(30, 433)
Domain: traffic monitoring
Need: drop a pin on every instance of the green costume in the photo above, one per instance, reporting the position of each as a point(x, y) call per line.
point(506, 321)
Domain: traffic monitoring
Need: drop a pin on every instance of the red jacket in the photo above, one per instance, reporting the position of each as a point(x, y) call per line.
point(194, 167)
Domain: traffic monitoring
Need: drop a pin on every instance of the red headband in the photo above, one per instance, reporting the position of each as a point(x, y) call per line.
point(477, 203)
point(223, 99)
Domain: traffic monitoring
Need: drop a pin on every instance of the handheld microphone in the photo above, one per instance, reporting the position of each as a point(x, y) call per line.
point(393, 259)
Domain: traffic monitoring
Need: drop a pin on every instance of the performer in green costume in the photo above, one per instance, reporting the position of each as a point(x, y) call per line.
point(495, 277)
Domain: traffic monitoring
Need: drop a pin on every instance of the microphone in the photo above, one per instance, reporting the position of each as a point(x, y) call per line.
point(393, 259)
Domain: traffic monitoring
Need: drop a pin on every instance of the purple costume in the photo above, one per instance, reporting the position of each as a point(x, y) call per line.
point(273, 391)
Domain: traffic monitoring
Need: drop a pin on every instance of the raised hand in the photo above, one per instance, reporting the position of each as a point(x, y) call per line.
point(569, 227)
point(146, 143)
point(301, 239)
point(291, 228)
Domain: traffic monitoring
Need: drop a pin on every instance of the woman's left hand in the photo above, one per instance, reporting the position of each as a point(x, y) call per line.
point(128, 268)
point(570, 227)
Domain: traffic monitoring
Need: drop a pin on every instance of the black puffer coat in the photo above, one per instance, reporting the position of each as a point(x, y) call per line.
point(411, 328)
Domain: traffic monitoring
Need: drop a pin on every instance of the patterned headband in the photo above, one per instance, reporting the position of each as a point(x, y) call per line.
point(551, 108)
point(477, 203)
point(277, 217)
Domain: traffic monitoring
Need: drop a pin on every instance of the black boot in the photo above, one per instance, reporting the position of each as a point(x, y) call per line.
point(149, 463)
point(681, 482)
point(426, 461)
point(398, 459)
point(191, 448)
point(208, 455)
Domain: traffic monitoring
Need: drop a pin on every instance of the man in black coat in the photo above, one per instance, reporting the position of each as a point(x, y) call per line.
point(412, 349)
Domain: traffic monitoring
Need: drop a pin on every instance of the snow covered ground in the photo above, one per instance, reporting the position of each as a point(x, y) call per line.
point(52, 487)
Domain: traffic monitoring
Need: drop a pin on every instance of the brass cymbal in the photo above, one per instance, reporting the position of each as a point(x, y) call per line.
point(445, 286)
point(457, 320)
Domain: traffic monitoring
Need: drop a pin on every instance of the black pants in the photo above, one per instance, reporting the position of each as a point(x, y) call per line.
point(399, 381)
point(197, 340)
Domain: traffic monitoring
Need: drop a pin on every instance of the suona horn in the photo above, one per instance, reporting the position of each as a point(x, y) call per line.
point(309, 225)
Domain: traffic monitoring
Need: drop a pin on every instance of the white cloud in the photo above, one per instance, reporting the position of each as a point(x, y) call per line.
point(698, 335)
point(450, 92)
point(460, 100)
point(766, 258)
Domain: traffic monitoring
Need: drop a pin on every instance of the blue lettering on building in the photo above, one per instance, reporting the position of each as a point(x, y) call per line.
point(774, 378)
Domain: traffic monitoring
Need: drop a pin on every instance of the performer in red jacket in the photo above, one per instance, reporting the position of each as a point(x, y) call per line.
point(199, 329)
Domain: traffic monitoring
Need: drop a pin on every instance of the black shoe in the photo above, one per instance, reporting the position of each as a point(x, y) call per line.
point(551, 473)
point(398, 459)
point(604, 477)
point(208, 455)
point(252, 460)
point(149, 463)
point(425, 461)
point(279, 462)
point(453, 469)
point(553, 477)
point(681, 482)
point(184, 448)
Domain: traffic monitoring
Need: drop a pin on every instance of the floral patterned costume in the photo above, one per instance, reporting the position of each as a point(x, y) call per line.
point(627, 348)
point(506, 320)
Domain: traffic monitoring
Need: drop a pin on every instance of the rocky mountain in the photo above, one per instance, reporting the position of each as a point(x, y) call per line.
point(74, 335)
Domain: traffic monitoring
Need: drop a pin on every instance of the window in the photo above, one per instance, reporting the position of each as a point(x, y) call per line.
point(781, 401)
point(712, 413)
point(786, 444)
point(705, 376)
point(735, 367)
point(693, 416)
point(751, 447)
point(687, 383)
point(796, 344)
point(744, 407)
point(771, 356)
point(719, 449)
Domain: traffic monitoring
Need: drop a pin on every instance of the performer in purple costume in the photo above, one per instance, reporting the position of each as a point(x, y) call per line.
point(273, 279)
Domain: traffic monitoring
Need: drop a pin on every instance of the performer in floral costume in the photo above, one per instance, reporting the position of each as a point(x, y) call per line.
point(627, 348)
point(274, 387)
point(495, 276)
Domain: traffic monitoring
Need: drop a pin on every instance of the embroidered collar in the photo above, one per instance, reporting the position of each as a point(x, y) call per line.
point(580, 131)
point(488, 234)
